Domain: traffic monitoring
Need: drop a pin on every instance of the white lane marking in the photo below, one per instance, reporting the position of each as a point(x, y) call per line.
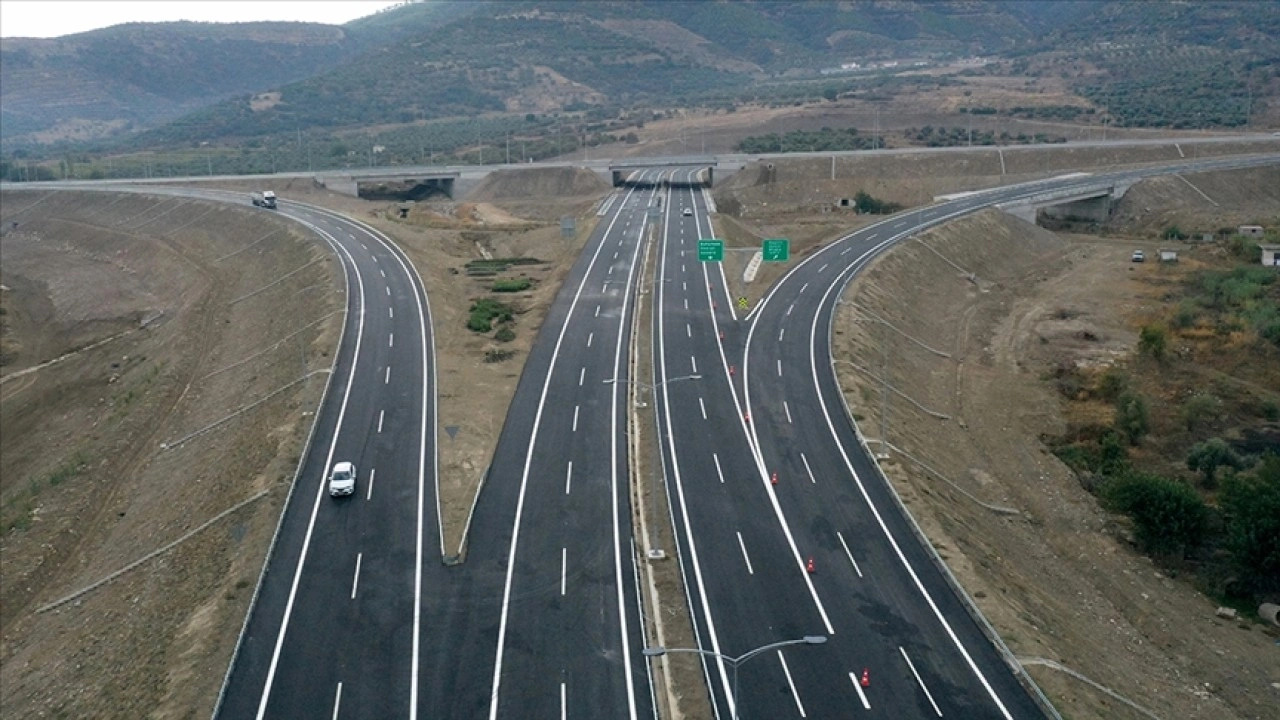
point(355, 579)
point(564, 564)
point(610, 272)
point(604, 287)
point(391, 340)
point(369, 495)
point(386, 379)
point(790, 683)
point(922, 687)
point(388, 291)
point(803, 287)
point(704, 408)
point(846, 251)
point(845, 545)
point(337, 701)
point(716, 459)
point(781, 332)
point(684, 286)
point(597, 311)
point(743, 545)
point(824, 267)
point(564, 706)
point(391, 312)
point(615, 254)
point(581, 375)
point(861, 695)
point(688, 331)
point(384, 272)
point(686, 303)
point(366, 247)
point(694, 360)
point(791, 307)
point(575, 418)
point(590, 337)
point(381, 415)
point(568, 478)
point(805, 460)
point(787, 409)
point(779, 367)
point(681, 267)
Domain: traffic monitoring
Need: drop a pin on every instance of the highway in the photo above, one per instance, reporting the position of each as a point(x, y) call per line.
point(767, 405)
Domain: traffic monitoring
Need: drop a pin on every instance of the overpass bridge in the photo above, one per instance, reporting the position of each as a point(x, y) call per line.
point(1087, 202)
point(624, 171)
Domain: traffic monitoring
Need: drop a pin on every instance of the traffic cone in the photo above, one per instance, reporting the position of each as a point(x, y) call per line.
point(866, 681)
point(713, 306)
point(730, 370)
point(721, 334)
point(774, 479)
point(809, 567)
point(747, 417)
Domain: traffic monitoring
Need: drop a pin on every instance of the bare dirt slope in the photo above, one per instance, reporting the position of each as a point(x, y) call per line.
point(1053, 578)
point(130, 322)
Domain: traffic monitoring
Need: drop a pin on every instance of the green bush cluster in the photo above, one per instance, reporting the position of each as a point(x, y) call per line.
point(825, 139)
point(485, 311)
point(512, 285)
point(1169, 518)
point(866, 204)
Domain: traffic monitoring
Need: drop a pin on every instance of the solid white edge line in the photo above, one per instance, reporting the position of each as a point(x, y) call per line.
point(861, 695)
point(337, 700)
point(918, 680)
point(524, 483)
point(564, 704)
point(745, 557)
point(355, 579)
point(791, 684)
point(845, 545)
point(320, 490)
point(805, 460)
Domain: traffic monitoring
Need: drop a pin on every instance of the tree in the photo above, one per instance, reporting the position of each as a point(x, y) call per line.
point(1210, 455)
point(1132, 419)
point(1251, 507)
point(1199, 409)
point(1169, 518)
point(1153, 340)
point(830, 94)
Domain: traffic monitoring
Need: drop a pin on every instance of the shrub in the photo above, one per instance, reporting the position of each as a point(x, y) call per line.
point(1251, 507)
point(484, 312)
point(1210, 455)
point(1153, 340)
point(1112, 384)
point(1199, 410)
point(1169, 518)
point(1132, 419)
point(1173, 232)
point(511, 285)
point(504, 334)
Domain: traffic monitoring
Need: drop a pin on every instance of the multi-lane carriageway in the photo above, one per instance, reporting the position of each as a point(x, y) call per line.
point(356, 619)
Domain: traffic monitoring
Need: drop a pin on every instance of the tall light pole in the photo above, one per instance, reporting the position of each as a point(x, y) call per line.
point(734, 662)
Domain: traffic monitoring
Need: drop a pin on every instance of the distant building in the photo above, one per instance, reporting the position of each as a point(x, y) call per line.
point(1168, 255)
point(1270, 255)
point(1250, 230)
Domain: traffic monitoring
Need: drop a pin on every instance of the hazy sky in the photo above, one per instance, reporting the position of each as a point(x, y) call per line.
point(51, 18)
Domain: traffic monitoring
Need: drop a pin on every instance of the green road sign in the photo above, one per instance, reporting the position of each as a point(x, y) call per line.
point(776, 250)
point(711, 250)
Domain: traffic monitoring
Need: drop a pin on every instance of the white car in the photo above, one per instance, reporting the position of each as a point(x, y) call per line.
point(688, 212)
point(342, 481)
point(1138, 256)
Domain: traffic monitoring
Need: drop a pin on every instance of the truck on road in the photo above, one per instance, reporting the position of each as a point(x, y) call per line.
point(266, 199)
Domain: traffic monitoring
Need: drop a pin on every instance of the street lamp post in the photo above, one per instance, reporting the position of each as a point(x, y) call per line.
point(654, 386)
point(734, 662)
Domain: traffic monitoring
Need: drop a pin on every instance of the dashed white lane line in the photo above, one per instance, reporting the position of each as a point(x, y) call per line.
point(355, 580)
point(704, 408)
point(743, 545)
point(366, 247)
point(922, 687)
point(787, 409)
point(791, 307)
point(845, 545)
point(597, 311)
point(610, 271)
point(381, 415)
point(861, 696)
point(388, 291)
point(781, 332)
point(805, 460)
point(386, 379)
point(694, 360)
point(615, 254)
point(568, 478)
point(787, 671)
point(779, 367)
point(804, 287)
point(824, 267)
point(384, 272)
point(391, 312)
point(688, 331)
point(391, 340)
point(590, 338)
point(369, 495)
point(373, 257)
point(575, 418)
point(684, 286)
point(582, 374)
point(716, 459)
point(604, 287)
point(846, 251)
point(681, 267)
point(337, 701)
point(564, 565)
point(686, 303)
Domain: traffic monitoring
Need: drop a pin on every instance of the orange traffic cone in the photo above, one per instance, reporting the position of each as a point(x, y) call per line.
point(809, 567)
point(774, 479)
point(866, 681)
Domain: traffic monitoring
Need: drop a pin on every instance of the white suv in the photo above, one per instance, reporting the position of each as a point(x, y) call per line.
point(688, 212)
point(342, 481)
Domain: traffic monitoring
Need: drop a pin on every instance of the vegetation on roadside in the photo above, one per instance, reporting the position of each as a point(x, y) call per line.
point(930, 136)
point(1193, 464)
point(826, 139)
point(485, 312)
point(512, 285)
